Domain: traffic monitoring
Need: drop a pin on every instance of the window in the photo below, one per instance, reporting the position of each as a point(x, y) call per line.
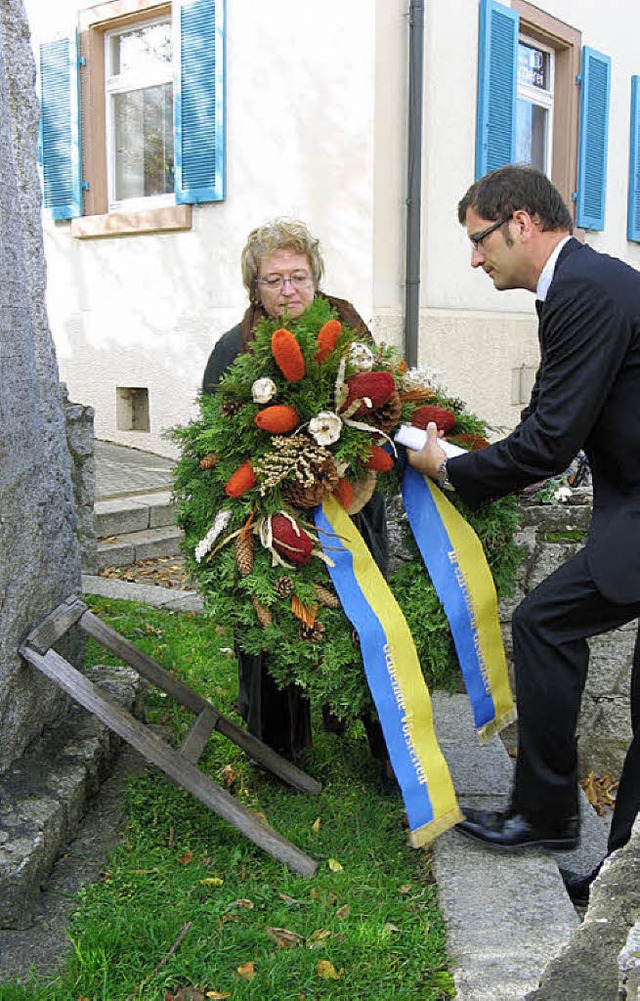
point(534, 110)
point(133, 115)
point(139, 113)
point(544, 99)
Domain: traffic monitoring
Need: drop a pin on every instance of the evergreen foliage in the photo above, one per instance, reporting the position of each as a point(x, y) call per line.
point(329, 669)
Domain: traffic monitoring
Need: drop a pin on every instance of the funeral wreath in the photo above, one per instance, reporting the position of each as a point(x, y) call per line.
point(308, 411)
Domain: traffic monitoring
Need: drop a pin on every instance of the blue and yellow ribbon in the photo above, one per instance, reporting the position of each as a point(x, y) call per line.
point(394, 676)
point(456, 563)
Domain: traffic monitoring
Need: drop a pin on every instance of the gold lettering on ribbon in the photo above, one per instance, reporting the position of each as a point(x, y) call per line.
point(405, 720)
point(466, 594)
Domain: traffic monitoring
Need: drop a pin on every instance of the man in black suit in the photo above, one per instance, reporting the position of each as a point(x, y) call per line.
point(586, 396)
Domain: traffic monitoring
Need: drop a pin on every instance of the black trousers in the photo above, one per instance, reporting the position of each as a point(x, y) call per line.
point(551, 655)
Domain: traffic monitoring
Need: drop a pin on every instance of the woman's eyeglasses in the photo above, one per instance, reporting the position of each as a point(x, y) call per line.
point(278, 281)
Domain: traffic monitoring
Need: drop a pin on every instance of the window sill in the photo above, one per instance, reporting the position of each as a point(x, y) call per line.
point(163, 220)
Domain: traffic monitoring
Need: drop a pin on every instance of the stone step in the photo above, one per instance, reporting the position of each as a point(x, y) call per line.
point(506, 914)
point(45, 793)
point(131, 547)
point(121, 515)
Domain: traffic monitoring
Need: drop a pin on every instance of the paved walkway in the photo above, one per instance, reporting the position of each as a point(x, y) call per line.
point(126, 472)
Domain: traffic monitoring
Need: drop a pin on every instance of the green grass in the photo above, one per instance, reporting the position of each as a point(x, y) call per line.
point(370, 910)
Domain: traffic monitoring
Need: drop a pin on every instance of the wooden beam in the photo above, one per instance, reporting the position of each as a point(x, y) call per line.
point(180, 770)
point(56, 624)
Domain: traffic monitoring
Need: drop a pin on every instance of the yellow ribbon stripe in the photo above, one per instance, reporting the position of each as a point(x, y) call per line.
point(472, 565)
point(412, 698)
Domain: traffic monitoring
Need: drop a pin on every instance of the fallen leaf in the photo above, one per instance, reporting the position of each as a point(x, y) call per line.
point(334, 865)
point(211, 881)
point(406, 888)
point(247, 970)
point(390, 927)
point(314, 893)
point(332, 898)
point(343, 912)
point(187, 994)
point(315, 827)
point(186, 858)
point(218, 995)
point(262, 817)
point(318, 938)
point(327, 970)
point(284, 938)
point(228, 775)
point(243, 903)
point(291, 900)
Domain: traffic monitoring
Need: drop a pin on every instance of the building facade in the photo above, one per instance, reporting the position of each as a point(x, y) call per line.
point(170, 130)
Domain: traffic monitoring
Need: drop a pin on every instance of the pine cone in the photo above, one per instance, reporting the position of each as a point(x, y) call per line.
point(326, 480)
point(230, 408)
point(244, 553)
point(265, 618)
point(326, 597)
point(387, 416)
point(312, 634)
point(284, 587)
point(208, 461)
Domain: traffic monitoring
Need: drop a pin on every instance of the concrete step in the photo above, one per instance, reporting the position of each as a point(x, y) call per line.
point(121, 515)
point(507, 915)
point(45, 793)
point(131, 547)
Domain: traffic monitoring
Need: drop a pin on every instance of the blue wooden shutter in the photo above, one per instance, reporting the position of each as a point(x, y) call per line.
point(497, 86)
point(60, 127)
point(633, 210)
point(199, 102)
point(594, 136)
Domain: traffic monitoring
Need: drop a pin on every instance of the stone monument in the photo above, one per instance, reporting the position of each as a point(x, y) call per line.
point(39, 552)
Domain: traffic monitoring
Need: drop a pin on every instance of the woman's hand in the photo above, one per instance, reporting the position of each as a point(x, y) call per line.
point(430, 457)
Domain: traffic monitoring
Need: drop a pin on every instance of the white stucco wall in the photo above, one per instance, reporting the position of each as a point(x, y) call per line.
point(475, 335)
point(316, 118)
point(145, 310)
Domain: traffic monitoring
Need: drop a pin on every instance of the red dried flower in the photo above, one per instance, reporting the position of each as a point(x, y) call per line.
point(374, 386)
point(469, 440)
point(443, 419)
point(242, 480)
point(293, 545)
point(344, 493)
point(277, 419)
point(327, 339)
point(288, 355)
point(379, 460)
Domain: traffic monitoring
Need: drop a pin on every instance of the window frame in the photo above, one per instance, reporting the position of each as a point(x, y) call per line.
point(128, 84)
point(566, 42)
point(95, 24)
point(540, 98)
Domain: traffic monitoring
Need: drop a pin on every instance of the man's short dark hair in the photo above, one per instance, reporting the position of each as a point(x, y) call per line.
point(502, 192)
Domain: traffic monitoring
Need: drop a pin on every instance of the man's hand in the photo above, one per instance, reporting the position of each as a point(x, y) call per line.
point(430, 457)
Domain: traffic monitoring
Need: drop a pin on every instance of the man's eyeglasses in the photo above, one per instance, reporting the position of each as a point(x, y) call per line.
point(277, 281)
point(477, 238)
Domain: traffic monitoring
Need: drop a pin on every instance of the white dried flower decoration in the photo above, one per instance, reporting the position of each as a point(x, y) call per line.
point(421, 378)
point(361, 357)
point(263, 390)
point(222, 520)
point(325, 429)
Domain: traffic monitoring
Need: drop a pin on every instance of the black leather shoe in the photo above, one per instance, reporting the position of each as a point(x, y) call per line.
point(512, 831)
point(578, 886)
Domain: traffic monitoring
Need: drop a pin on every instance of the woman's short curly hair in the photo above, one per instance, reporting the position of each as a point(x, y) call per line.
point(279, 234)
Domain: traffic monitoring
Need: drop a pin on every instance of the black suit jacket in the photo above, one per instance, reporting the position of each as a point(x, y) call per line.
point(586, 396)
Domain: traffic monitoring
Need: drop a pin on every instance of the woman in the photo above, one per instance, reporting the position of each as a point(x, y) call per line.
point(281, 270)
